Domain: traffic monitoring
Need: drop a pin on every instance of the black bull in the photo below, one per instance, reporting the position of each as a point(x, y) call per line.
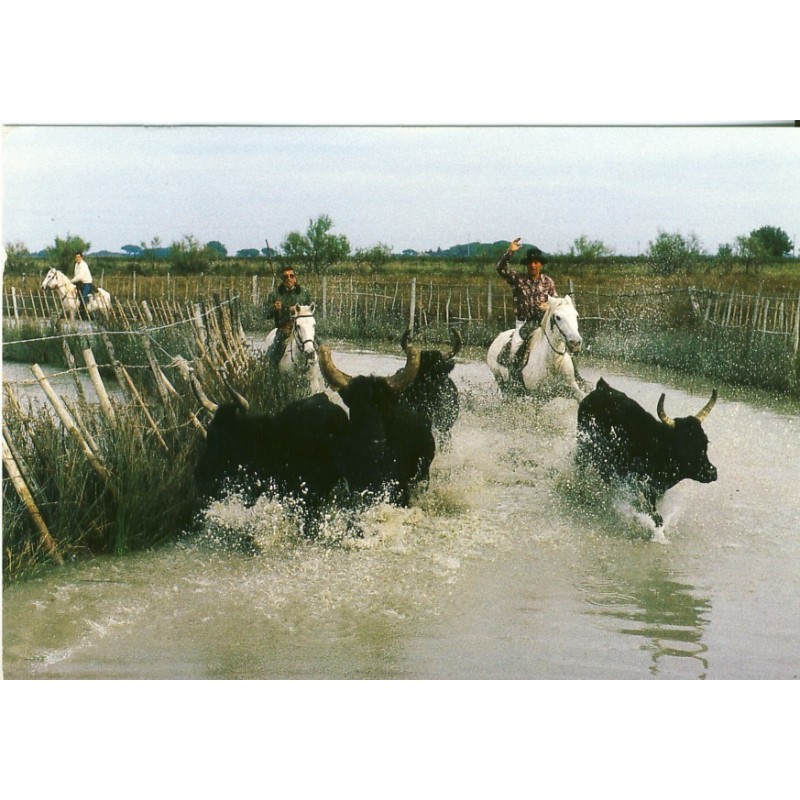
point(297, 452)
point(390, 447)
point(312, 451)
point(433, 394)
point(626, 443)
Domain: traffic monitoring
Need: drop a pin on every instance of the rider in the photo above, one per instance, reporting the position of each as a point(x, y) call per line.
point(287, 294)
point(530, 291)
point(82, 278)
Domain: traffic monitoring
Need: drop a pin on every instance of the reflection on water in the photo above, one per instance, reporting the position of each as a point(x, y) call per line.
point(668, 614)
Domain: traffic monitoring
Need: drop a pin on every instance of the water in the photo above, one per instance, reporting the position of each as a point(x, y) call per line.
point(505, 568)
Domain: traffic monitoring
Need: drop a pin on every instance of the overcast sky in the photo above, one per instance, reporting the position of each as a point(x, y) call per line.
point(409, 187)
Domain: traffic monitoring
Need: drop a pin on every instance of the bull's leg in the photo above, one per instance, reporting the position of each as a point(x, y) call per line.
point(651, 498)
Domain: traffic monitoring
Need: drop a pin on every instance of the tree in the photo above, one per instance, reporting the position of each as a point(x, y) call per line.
point(154, 251)
point(132, 250)
point(62, 253)
point(724, 258)
point(250, 252)
point(752, 251)
point(587, 249)
point(671, 252)
point(18, 259)
point(318, 248)
point(188, 255)
point(773, 242)
point(218, 248)
point(374, 257)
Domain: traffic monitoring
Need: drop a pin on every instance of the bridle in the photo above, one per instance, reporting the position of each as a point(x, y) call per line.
point(554, 324)
point(301, 343)
point(67, 290)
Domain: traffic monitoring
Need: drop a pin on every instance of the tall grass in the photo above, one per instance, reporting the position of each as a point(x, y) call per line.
point(150, 496)
point(736, 356)
point(143, 504)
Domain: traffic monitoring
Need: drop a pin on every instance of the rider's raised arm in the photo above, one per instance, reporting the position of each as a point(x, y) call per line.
point(502, 265)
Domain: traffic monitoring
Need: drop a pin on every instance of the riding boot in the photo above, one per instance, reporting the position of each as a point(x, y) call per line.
point(275, 352)
point(517, 361)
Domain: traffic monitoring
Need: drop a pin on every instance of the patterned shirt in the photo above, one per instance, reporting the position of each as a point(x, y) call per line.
point(528, 292)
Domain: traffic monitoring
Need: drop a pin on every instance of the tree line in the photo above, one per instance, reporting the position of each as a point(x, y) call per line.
point(318, 249)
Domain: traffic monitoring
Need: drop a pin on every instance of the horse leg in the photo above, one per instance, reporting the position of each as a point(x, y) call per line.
point(569, 372)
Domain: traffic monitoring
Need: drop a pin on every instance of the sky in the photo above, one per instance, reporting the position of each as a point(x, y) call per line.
point(411, 187)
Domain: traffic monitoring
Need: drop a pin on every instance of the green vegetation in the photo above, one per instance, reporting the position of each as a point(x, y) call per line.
point(318, 249)
point(669, 253)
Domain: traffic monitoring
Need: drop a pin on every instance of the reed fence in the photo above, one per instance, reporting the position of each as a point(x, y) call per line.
point(433, 302)
point(150, 418)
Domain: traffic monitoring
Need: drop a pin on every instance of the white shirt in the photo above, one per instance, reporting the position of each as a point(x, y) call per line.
point(82, 273)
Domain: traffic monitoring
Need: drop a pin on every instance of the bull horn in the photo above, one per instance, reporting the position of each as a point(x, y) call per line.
point(333, 375)
point(188, 374)
point(242, 401)
point(405, 376)
point(200, 394)
point(455, 338)
point(706, 409)
point(662, 415)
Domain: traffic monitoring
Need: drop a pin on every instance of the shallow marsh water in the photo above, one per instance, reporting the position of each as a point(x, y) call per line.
point(505, 568)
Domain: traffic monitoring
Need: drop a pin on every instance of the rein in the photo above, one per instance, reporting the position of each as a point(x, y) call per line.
point(65, 287)
point(554, 324)
point(300, 342)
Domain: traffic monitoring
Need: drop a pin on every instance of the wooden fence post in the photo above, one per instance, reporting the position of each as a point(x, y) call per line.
point(797, 327)
point(412, 305)
point(69, 423)
point(114, 363)
point(70, 359)
point(138, 398)
point(99, 387)
point(30, 505)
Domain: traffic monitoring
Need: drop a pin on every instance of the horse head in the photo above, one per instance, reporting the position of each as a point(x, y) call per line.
point(305, 330)
point(51, 279)
point(561, 319)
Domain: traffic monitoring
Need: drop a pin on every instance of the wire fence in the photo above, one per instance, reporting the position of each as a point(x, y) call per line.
point(140, 300)
point(149, 413)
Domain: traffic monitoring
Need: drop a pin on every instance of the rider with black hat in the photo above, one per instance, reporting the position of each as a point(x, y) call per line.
point(530, 291)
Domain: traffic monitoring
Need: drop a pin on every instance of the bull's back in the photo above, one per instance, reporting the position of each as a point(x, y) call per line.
point(612, 425)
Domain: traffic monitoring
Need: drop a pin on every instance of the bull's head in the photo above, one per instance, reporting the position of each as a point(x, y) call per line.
point(690, 443)
point(699, 416)
point(398, 382)
point(455, 340)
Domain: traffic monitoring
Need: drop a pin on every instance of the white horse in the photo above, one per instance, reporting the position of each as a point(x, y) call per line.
point(300, 358)
point(99, 300)
point(548, 368)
